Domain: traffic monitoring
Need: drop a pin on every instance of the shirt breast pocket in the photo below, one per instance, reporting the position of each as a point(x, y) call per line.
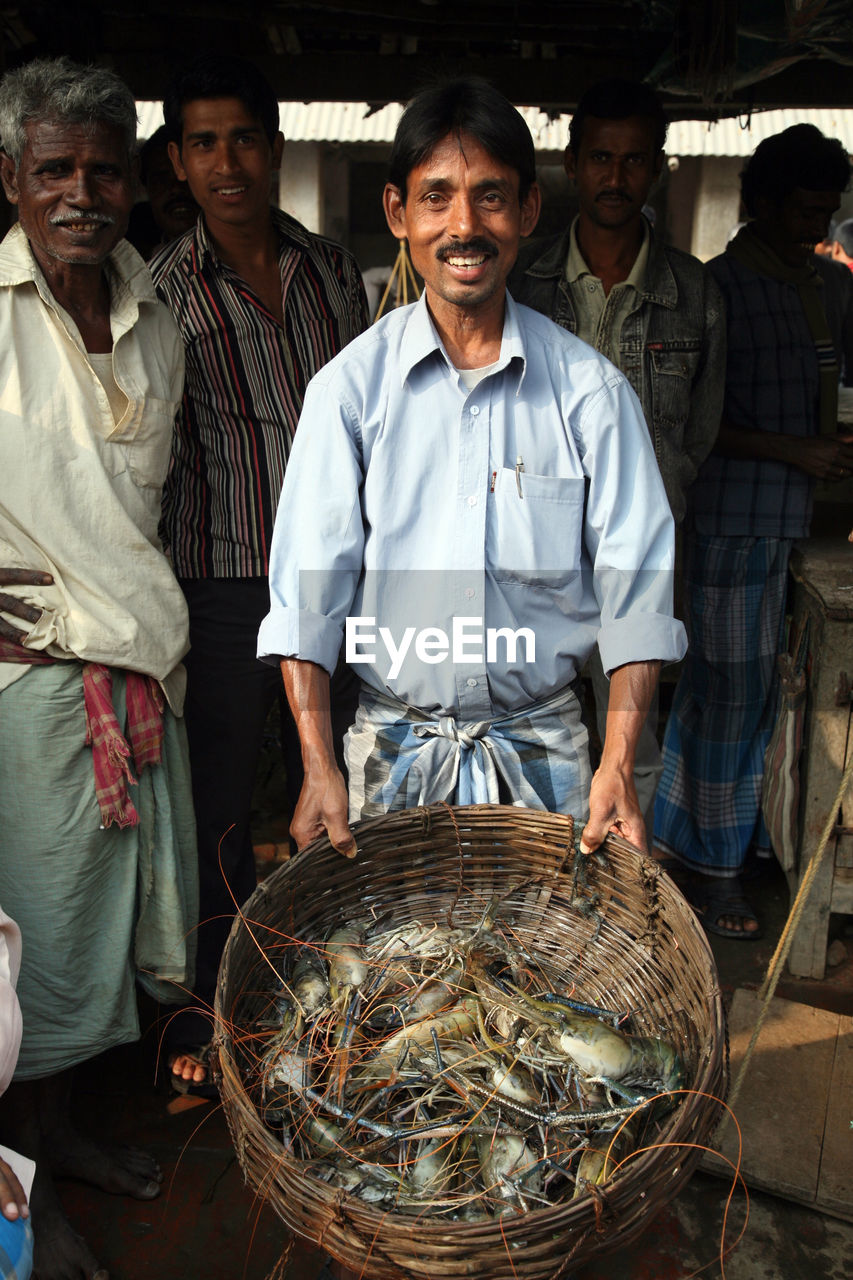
point(534, 530)
point(673, 370)
point(146, 445)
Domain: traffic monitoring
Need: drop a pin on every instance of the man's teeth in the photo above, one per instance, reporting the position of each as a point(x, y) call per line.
point(466, 262)
point(230, 191)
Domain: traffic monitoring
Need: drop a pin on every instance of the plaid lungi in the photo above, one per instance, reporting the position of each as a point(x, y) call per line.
point(98, 906)
point(16, 1249)
point(398, 757)
point(708, 806)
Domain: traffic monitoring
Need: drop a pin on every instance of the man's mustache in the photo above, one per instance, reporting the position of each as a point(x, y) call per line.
point(614, 191)
point(465, 248)
point(68, 219)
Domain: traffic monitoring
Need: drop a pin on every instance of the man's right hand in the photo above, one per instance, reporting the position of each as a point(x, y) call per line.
point(323, 809)
point(19, 608)
point(828, 457)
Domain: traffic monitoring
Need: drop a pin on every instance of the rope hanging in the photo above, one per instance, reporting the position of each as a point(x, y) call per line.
point(403, 280)
point(777, 964)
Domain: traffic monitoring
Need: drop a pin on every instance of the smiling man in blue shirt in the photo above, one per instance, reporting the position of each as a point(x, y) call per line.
point(472, 502)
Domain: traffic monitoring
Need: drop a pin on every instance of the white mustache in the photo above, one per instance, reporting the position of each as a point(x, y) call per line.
point(68, 219)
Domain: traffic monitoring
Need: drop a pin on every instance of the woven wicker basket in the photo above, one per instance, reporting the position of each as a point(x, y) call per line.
point(620, 929)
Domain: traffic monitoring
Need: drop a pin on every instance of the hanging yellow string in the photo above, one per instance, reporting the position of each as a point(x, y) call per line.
point(777, 964)
point(401, 279)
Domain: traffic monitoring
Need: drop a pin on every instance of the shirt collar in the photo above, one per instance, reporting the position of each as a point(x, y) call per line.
point(292, 237)
point(125, 267)
point(420, 340)
point(576, 265)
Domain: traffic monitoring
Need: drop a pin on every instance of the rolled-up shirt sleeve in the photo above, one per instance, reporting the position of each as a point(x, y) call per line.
point(318, 539)
point(629, 535)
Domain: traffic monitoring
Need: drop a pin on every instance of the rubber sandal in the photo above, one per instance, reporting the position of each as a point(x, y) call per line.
point(711, 899)
point(192, 1088)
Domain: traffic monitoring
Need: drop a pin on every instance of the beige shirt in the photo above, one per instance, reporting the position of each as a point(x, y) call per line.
point(10, 1010)
point(80, 493)
point(600, 316)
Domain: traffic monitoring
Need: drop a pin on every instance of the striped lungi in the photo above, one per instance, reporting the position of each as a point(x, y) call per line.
point(399, 757)
point(708, 806)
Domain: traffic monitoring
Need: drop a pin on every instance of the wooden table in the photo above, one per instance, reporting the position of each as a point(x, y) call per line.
point(822, 570)
point(794, 1107)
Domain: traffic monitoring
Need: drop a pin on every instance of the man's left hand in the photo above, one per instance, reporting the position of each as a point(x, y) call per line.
point(613, 807)
point(14, 605)
point(13, 1202)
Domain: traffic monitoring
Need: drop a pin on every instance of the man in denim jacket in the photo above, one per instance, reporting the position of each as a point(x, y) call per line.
point(654, 311)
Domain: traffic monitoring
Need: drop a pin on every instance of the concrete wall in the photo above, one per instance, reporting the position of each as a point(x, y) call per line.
point(314, 188)
point(717, 208)
point(300, 185)
point(703, 202)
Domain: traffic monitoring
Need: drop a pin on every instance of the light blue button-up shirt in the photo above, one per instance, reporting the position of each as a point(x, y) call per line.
point(532, 503)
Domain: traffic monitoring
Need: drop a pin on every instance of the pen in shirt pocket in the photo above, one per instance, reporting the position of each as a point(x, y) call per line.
point(519, 467)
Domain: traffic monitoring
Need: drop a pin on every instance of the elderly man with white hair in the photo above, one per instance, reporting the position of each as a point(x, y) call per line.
point(97, 857)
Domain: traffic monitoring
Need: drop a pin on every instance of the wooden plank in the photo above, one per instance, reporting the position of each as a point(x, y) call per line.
point(822, 764)
point(825, 567)
point(842, 892)
point(782, 1106)
point(835, 1188)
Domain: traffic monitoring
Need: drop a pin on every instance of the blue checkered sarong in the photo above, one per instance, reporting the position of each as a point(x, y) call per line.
point(708, 806)
point(16, 1249)
point(399, 757)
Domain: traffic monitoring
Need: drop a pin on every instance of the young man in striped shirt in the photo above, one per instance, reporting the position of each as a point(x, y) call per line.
point(262, 305)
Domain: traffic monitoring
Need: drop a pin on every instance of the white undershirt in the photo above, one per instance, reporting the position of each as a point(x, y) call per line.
point(103, 366)
point(471, 377)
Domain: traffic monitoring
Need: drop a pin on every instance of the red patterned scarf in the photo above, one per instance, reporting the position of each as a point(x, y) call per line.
point(111, 751)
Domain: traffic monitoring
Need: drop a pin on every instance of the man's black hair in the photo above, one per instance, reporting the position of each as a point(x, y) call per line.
point(617, 100)
point(843, 233)
point(219, 75)
point(467, 105)
point(798, 157)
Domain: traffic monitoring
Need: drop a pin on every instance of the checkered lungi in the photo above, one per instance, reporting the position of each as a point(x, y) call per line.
point(99, 906)
point(708, 807)
point(399, 757)
point(16, 1249)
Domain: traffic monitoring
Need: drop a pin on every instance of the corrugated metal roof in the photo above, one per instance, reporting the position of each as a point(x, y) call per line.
point(732, 137)
point(354, 122)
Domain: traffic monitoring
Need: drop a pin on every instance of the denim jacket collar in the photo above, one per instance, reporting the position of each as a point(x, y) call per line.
point(659, 287)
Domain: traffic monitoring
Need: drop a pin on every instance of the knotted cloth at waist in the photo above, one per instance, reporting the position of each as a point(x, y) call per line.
point(399, 757)
point(111, 750)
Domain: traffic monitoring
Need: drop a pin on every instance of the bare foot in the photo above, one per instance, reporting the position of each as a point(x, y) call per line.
point(58, 1252)
point(189, 1066)
point(122, 1171)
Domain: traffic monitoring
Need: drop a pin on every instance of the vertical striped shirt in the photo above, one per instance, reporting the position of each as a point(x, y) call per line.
point(245, 379)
